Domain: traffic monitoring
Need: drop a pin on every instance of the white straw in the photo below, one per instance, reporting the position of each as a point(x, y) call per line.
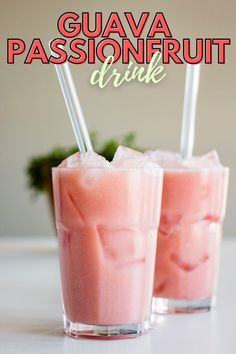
point(189, 110)
point(73, 106)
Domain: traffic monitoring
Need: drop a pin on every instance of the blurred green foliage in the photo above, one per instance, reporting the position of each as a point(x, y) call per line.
point(38, 169)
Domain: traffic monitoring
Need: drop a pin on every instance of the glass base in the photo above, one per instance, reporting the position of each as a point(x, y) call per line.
point(164, 305)
point(130, 330)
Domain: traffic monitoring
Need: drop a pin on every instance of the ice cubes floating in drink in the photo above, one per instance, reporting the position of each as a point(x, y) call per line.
point(193, 207)
point(107, 216)
point(123, 158)
point(167, 159)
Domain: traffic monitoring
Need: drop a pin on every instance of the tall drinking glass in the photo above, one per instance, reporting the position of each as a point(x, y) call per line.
point(107, 223)
point(193, 208)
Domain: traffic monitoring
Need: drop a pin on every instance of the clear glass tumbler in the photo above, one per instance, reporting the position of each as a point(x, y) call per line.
point(193, 208)
point(107, 222)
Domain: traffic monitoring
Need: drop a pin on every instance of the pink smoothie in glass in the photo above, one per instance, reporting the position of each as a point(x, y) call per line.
point(107, 217)
point(193, 208)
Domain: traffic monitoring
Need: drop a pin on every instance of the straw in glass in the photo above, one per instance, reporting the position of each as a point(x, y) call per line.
point(189, 110)
point(73, 105)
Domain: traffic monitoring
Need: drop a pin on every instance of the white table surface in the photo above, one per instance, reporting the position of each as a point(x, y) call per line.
point(30, 311)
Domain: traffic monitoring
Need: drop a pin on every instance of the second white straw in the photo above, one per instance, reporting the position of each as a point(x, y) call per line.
point(189, 110)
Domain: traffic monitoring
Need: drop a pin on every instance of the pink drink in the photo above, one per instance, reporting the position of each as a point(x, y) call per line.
point(107, 219)
point(193, 208)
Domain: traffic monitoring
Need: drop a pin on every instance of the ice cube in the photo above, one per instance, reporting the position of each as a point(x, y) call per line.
point(167, 159)
point(208, 160)
point(164, 158)
point(73, 160)
point(122, 245)
point(89, 159)
point(129, 158)
point(92, 159)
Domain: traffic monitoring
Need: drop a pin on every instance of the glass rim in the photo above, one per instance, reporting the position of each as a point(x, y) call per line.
point(111, 169)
